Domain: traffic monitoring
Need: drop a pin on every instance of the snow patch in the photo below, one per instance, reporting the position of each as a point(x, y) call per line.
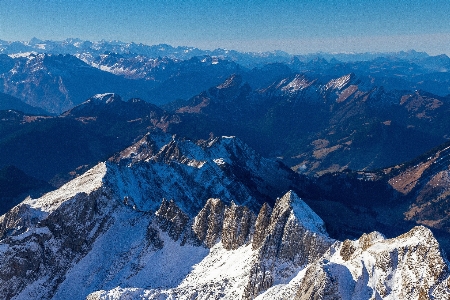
point(283, 291)
point(305, 215)
point(29, 55)
point(219, 161)
point(339, 83)
point(86, 183)
point(297, 84)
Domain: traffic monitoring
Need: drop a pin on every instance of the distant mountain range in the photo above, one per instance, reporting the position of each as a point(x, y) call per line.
point(57, 76)
point(316, 125)
point(313, 123)
point(153, 172)
point(317, 115)
point(76, 46)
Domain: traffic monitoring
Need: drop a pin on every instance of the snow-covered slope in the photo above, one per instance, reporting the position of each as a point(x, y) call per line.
point(173, 219)
point(239, 270)
point(410, 266)
point(161, 166)
point(41, 239)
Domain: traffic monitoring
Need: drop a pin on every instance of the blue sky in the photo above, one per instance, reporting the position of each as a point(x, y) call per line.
point(297, 27)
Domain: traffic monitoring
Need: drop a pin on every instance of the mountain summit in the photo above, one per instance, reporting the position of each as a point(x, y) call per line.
point(172, 218)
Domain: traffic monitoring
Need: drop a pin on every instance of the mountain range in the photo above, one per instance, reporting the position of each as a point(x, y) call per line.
point(56, 76)
point(155, 172)
point(315, 124)
point(111, 234)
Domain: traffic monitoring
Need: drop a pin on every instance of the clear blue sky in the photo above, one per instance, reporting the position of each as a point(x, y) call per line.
point(301, 26)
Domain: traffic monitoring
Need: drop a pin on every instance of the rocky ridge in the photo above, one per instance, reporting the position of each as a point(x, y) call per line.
point(191, 172)
point(410, 266)
point(262, 265)
point(111, 234)
point(321, 124)
point(136, 186)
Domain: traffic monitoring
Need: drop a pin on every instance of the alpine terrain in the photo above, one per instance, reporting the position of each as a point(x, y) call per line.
point(130, 171)
point(168, 218)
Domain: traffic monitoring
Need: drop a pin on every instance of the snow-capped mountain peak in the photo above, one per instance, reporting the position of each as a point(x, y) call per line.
point(111, 234)
point(340, 83)
point(410, 266)
point(105, 97)
point(302, 212)
point(297, 84)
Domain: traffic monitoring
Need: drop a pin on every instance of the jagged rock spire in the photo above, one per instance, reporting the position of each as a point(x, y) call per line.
point(294, 234)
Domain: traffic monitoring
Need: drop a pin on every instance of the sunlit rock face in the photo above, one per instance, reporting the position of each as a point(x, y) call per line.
point(174, 219)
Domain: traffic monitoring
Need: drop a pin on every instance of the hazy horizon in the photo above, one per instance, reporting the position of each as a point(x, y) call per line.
point(231, 49)
point(296, 27)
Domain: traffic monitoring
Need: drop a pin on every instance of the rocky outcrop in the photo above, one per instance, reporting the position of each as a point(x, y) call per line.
point(141, 150)
point(294, 228)
point(169, 152)
point(16, 221)
point(261, 225)
point(232, 225)
point(318, 284)
point(410, 266)
point(238, 226)
point(294, 237)
point(40, 256)
point(209, 222)
point(171, 219)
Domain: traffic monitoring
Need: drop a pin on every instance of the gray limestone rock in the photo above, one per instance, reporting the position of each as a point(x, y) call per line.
point(286, 241)
point(209, 222)
point(171, 219)
point(48, 249)
point(261, 225)
point(410, 266)
point(169, 152)
point(237, 226)
point(318, 284)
